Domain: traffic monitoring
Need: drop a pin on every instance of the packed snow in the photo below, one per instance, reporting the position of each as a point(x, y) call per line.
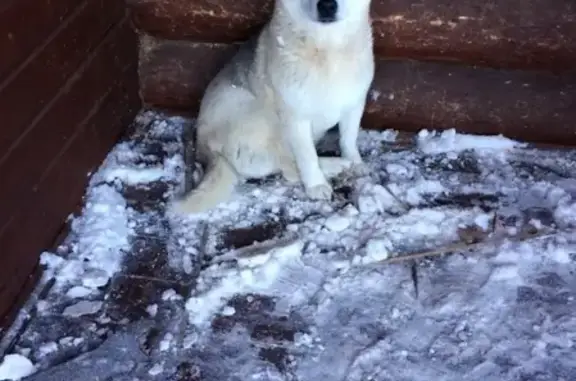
point(15, 367)
point(321, 297)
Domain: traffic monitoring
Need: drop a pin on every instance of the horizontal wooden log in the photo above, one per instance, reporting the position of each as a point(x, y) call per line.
point(406, 95)
point(68, 143)
point(162, 64)
point(506, 33)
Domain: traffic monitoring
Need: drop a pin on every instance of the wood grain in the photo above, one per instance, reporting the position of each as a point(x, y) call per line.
point(73, 136)
point(26, 93)
point(19, 39)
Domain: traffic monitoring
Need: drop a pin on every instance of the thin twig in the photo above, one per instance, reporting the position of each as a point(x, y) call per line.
point(463, 246)
point(404, 206)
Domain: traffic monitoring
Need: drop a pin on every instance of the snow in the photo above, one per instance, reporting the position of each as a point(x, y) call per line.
point(253, 274)
point(15, 367)
point(166, 342)
point(130, 176)
point(152, 310)
point(83, 307)
point(322, 289)
point(377, 250)
point(156, 369)
point(99, 237)
point(450, 141)
point(48, 348)
point(171, 294)
point(337, 223)
point(78, 292)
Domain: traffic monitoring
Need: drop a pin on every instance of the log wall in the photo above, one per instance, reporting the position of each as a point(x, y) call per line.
point(481, 67)
point(68, 87)
point(504, 33)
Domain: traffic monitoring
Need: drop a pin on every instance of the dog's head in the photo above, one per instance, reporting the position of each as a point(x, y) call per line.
point(326, 11)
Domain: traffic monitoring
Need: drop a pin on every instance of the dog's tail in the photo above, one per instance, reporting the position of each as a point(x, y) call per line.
point(215, 187)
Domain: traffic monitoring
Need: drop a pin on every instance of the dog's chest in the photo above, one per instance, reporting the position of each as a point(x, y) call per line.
point(323, 85)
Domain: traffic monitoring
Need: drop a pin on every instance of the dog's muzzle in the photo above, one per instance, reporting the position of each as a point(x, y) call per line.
point(327, 10)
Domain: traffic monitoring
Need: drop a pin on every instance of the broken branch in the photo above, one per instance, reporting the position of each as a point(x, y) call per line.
point(468, 247)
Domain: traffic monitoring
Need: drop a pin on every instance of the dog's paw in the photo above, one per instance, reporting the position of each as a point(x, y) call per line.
point(333, 166)
point(321, 191)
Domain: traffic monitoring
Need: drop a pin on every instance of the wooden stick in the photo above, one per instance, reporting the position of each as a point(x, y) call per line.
point(463, 246)
point(402, 204)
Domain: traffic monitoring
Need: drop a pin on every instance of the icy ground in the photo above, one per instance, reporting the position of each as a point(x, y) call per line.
point(273, 286)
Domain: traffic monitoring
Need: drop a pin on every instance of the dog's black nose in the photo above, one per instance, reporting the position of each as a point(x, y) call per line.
point(327, 10)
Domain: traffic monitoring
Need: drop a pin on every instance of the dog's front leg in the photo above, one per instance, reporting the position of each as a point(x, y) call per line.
point(298, 136)
point(349, 127)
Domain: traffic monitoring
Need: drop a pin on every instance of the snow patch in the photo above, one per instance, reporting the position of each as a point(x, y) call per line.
point(15, 367)
point(255, 274)
point(337, 223)
point(101, 237)
point(156, 369)
point(432, 142)
point(377, 250)
point(84, 307)
point(78, 292)
point(152, 310)
point(500, 313)
point(134, 176)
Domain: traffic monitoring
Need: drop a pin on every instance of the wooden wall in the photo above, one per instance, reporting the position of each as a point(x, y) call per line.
point(505, 66)
point(68, 87)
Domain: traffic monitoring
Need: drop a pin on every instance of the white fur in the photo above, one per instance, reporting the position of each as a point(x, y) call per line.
point(304, 78)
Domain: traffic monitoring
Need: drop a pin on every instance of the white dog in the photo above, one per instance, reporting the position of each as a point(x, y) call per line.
point(309, 69)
